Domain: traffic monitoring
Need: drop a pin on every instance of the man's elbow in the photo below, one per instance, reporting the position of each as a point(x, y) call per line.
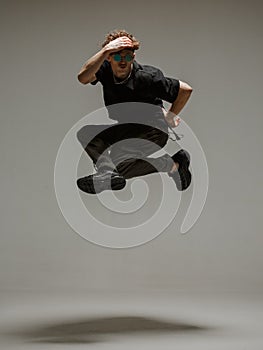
point(185, 88)
point(82, 79)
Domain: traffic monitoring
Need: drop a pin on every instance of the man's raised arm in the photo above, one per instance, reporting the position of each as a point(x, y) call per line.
point(184, 94)
point(90, 68)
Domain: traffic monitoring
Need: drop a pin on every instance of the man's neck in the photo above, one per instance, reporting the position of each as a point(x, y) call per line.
point(122, 81)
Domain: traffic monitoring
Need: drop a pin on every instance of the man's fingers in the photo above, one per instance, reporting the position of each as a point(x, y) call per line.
point(122, 42)
point(177, 121)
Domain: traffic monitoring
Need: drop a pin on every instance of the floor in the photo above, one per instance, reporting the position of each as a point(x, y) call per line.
point(131, 321)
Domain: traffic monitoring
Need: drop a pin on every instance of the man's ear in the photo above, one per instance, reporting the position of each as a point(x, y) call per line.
point(108, 58)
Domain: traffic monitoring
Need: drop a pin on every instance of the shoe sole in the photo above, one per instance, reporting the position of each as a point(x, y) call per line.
point(86, 184)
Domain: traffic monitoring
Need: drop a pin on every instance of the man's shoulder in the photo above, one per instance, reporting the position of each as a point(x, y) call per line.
point(146, 69)
point(147, 74)
point(105, 65)
point(103, 74)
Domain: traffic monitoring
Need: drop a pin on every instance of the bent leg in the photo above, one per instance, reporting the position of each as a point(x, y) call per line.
point(96, 140)
point(131, 156)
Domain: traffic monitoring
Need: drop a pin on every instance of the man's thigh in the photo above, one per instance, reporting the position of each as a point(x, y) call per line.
point(106, 132)
point(141, 142)
point(111, 134)
point(143, 133)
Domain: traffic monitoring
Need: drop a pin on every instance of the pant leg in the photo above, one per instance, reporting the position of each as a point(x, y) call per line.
point(130, 156)
point(96, 140)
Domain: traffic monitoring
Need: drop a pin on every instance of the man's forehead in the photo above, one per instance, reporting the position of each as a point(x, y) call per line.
point(125, 52)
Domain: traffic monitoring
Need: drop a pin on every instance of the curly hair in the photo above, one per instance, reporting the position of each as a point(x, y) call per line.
point(117, 33)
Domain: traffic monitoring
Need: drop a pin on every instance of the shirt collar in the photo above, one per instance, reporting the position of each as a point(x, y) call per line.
point(130, 83)
point(135, 68)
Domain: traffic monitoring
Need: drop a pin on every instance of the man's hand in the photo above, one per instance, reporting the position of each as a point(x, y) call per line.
point(172, 119)
point(118, 44)
point(89, 69)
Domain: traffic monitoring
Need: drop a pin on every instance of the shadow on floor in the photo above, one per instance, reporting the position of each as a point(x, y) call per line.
point(98, 329)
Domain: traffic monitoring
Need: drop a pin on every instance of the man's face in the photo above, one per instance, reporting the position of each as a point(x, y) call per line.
point(121, 63)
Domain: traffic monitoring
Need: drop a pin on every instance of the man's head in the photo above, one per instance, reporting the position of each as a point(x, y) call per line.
point(121, 60)
point(121, 63)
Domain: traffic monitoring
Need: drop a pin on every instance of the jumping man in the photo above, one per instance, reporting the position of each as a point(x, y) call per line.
point(134, 95)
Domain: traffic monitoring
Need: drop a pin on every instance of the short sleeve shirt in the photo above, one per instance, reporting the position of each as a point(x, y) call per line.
point(146, 84)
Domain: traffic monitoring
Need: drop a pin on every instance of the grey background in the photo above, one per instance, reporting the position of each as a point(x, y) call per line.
point(216, 46)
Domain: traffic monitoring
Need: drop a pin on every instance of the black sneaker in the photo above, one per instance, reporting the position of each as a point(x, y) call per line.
point(101, 181)
point(182, 177)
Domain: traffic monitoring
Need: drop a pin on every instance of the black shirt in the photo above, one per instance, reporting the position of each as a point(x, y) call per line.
point(146, 84)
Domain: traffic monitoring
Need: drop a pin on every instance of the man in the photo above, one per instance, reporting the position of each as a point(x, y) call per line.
point(133, 95)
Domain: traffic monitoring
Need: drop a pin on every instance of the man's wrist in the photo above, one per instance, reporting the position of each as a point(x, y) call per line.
point(172, 119)
point(170, 115)
point(105, 51)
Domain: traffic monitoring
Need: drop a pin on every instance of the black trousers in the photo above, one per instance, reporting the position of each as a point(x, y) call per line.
point(126, 147)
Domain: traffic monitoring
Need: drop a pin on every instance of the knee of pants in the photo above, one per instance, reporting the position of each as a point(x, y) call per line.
point(93, 145)
point(82, 136)
point(85, 135)
point(90, 132)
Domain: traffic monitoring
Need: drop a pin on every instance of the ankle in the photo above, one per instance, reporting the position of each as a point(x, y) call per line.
point(174, 168)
